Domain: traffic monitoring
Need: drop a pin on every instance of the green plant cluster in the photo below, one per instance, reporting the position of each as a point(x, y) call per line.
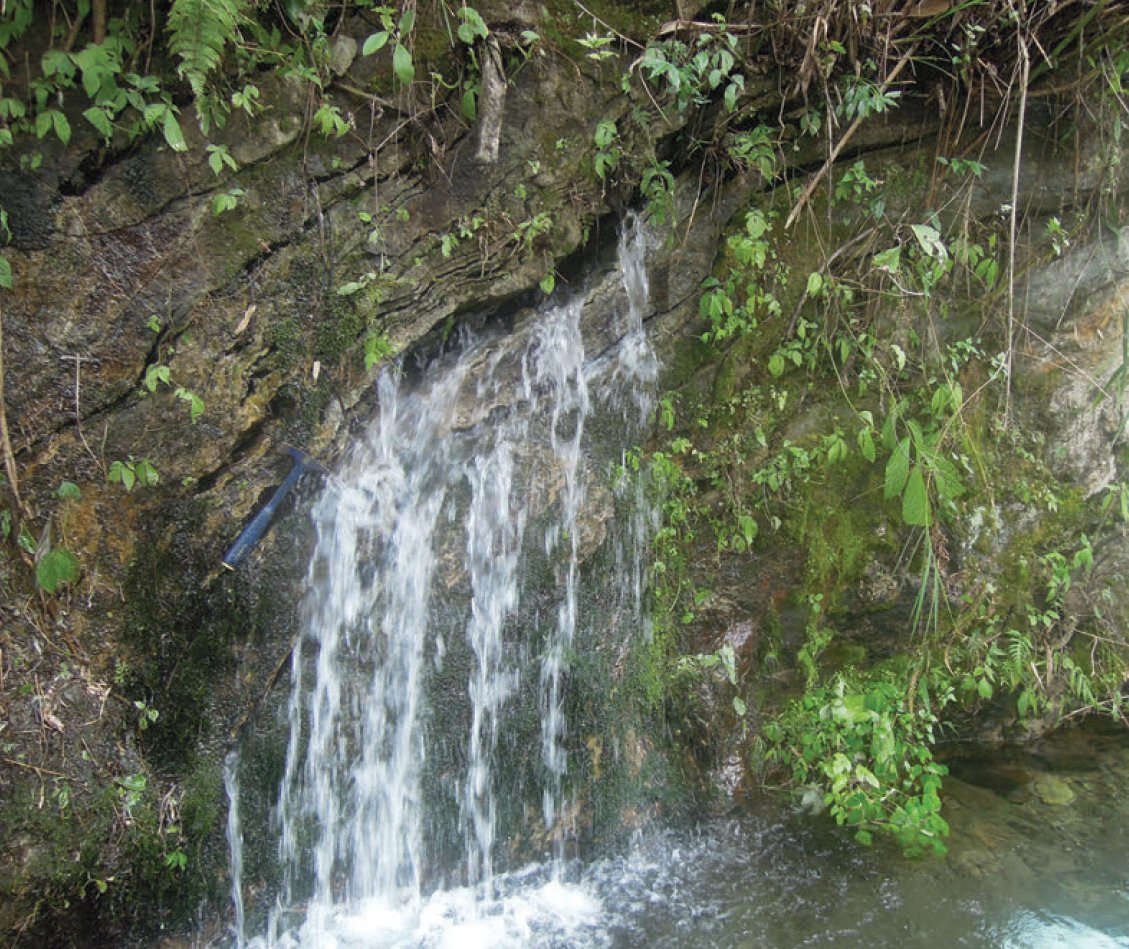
point(915, 421)
point(868, 752)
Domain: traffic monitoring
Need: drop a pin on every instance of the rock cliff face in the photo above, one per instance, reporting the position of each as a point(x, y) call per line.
point(133, 296)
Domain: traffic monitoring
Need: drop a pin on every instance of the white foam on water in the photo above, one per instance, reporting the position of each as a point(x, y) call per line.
point(541, 912)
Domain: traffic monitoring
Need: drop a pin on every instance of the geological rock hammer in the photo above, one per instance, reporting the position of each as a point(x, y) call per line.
point(254, 531)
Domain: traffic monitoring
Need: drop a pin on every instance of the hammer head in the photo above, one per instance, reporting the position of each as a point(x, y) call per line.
point(304, 462)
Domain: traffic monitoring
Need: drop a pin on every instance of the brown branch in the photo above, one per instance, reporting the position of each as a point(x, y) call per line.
point(98, 12)
point(5, 441)
point(841, 144)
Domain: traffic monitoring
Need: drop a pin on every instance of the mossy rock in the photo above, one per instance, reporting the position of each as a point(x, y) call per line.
point(1053, 790)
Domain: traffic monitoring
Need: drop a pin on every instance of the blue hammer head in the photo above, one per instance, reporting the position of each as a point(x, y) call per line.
point(254, 531)
point(303, 462)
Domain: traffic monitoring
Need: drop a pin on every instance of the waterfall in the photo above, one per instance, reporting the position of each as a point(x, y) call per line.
point(417, 630)
point(235, 845)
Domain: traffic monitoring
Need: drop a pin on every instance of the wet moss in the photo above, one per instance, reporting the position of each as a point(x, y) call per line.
point(340, 328)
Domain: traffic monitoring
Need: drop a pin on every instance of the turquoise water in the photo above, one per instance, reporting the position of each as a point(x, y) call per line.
point(1020, 872)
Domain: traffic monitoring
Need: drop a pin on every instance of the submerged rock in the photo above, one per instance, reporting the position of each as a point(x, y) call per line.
point(1053, 790)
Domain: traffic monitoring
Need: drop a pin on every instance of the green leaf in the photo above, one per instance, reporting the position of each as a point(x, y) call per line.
point(68, 491)
point(5, 273)
point(897, 470)
point(473, 26)
point(889, 260)
point(146, 473)
point(5, 524)
point(866, 444)
point(739, 705)
point(930, 240)
point(352, 286)
point(469, 103)
point(62, 126)
point(173, 135)
point(375, 42)
point(377, 348)
point(121, 472)
point(195, 403)
point(57, 567)
point(915, 500)
point(407, 21)
point(100, 119)
point(945, 478)
point(155, 375)
point(198, 32)
point(56, 62)
point(402, 65)
point(98, 68)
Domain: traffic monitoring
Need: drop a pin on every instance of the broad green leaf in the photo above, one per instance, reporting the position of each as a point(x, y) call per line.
point(407, 21)
point(57, 567)
point(5, 273)
point(930, 240)
point(195, 403)
point(864, 775)
point(122, 473)
point(472, 27)
point(155, 375)
point(897, 470)
point(852, 708)
point(56, 62)
point(68, 491)
point(100, 120)
point(62, 126)
point(945, 477)
point(173, 135)
point(889, 260)
point(146, 473)
point(915, 500)
point(402, 64)
point(866, 444)
point(469, 103)
point(374, 43)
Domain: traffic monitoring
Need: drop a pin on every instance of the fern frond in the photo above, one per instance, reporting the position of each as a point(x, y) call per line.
point(198, 32)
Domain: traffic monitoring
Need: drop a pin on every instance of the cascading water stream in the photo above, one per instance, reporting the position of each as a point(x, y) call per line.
point(560, 361)
point(418, 574)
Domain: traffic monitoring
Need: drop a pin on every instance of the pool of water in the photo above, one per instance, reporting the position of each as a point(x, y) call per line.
point(1039, 857)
